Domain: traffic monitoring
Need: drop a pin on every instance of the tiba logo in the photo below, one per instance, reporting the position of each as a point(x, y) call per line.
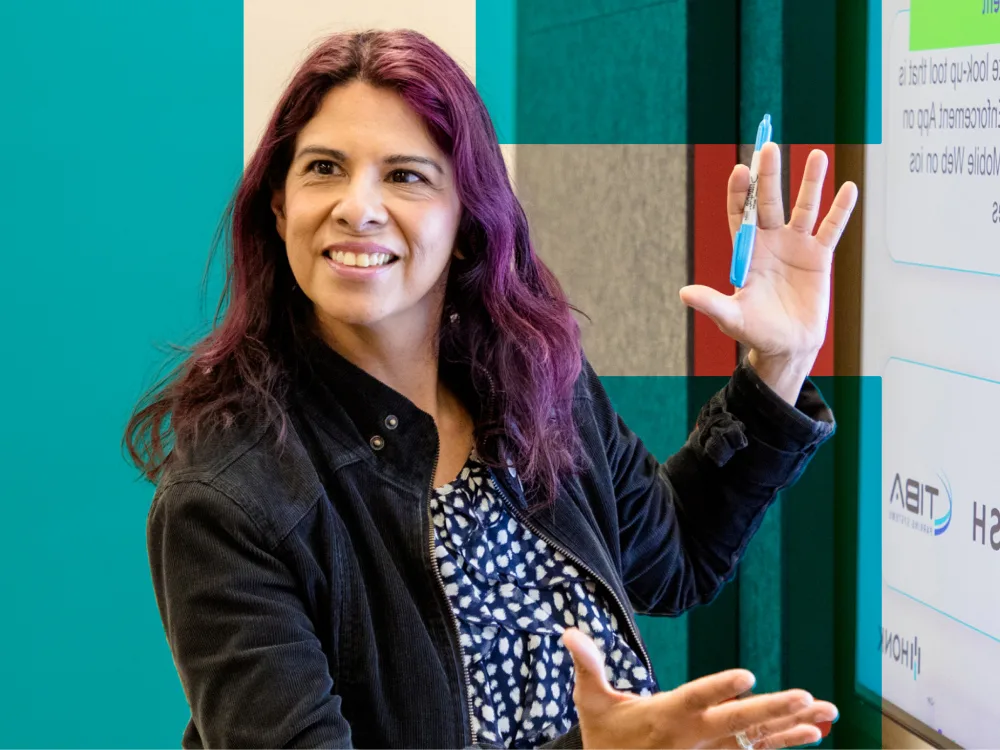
point(921, 506)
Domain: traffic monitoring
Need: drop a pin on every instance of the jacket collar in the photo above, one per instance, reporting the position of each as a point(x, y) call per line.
point(367, 418)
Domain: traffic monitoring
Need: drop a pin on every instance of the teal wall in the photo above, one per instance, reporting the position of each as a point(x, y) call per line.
point(123, 138)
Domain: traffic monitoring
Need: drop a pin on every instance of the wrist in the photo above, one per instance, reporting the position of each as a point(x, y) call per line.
point(783, 374)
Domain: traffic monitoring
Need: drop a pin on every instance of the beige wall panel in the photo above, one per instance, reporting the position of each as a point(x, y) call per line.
point(611, 221)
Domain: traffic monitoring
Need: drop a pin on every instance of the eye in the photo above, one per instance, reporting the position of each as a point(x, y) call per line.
point(322, 167)
point(404, 176)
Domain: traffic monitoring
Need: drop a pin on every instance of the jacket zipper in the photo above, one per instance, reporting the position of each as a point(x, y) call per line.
point(451, 611)
point(537, 532)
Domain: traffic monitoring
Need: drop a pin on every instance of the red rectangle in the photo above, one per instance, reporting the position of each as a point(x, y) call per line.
point(714, 352)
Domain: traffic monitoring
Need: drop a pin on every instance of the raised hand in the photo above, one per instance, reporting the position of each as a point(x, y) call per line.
point(781, 313)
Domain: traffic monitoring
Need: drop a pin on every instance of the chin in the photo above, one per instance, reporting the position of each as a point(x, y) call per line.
point(356, 316)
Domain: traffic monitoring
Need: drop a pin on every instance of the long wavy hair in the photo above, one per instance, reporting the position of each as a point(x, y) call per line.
point(514, 331)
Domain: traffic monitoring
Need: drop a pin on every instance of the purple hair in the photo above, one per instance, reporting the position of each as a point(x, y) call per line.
point(515, 331)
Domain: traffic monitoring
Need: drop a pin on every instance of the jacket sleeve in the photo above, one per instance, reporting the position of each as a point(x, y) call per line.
point(684, 524)
point(250, 663)
point(572, 740)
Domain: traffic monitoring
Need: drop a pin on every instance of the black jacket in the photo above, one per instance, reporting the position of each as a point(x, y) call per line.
point(297, 589)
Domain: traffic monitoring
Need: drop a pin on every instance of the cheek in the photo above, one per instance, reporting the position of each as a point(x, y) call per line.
point(432, 235)
point(302, 220)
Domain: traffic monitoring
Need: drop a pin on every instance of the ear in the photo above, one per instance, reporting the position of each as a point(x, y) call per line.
point(278, 207)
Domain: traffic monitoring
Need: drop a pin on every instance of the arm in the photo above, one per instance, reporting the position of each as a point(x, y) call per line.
point(685, 524)
point(251, 665)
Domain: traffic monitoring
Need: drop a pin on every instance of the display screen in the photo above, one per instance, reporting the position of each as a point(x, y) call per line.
point(931, 312)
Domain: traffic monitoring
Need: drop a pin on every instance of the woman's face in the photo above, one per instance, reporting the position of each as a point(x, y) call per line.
point(369, 213)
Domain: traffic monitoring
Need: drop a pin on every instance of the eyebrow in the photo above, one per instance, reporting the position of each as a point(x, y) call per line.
point(391, 160)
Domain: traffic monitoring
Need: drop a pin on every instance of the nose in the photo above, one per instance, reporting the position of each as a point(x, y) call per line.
point(360, 207)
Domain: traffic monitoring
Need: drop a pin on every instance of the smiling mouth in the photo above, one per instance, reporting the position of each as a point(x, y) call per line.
point(360, 260)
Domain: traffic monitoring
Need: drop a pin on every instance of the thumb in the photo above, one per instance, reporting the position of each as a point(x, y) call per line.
point(724, 310)
point(591, 691)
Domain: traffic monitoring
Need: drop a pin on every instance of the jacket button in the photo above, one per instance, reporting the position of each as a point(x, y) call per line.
point(377, 443)
point(391, 422)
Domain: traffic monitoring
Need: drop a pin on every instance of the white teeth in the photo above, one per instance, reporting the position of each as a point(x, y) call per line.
point(364, 260)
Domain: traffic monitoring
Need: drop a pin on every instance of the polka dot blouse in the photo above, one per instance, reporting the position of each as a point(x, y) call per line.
point(513, 594)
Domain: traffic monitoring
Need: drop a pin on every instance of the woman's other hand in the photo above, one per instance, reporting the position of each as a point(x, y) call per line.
point(699, 714)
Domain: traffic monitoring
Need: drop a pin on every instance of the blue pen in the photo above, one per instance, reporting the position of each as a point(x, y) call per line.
point(743, 242)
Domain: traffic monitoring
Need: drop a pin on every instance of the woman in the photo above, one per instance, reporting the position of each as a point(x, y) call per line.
point(394, 504)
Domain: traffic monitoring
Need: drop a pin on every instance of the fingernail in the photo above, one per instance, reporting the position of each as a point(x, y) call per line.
point(836, 718)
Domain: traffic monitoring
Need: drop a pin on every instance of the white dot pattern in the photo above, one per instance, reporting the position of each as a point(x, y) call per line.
point(513, 596)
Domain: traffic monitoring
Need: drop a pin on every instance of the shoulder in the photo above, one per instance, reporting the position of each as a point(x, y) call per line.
point(590, 399)
point(601, 431)
point(587, 381)
point(251, 474)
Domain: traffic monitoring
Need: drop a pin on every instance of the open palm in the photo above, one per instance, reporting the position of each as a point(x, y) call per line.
point(781, 312)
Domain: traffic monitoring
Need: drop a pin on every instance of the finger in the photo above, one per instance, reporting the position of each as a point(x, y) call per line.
point(706, 692)
point(739, 185)
point(591, 689)
point(836, 218)
point(770, 208)
point(810, 193)
point(820, 714)
point(797, 736)
point(723, 309)
point(744, 715)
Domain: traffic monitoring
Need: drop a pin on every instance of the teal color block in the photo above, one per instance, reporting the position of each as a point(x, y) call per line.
point(640, 72)
point(810, 73)
point(123, 141)
point(666, 641)
point(761, 66)
point(873, 74)
point(606, 73)
point(856, 59)
point(496, 63)
point(655, 408)
point(549, 14)
point(761, 594)
point(713, 71)
point(869, 591)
